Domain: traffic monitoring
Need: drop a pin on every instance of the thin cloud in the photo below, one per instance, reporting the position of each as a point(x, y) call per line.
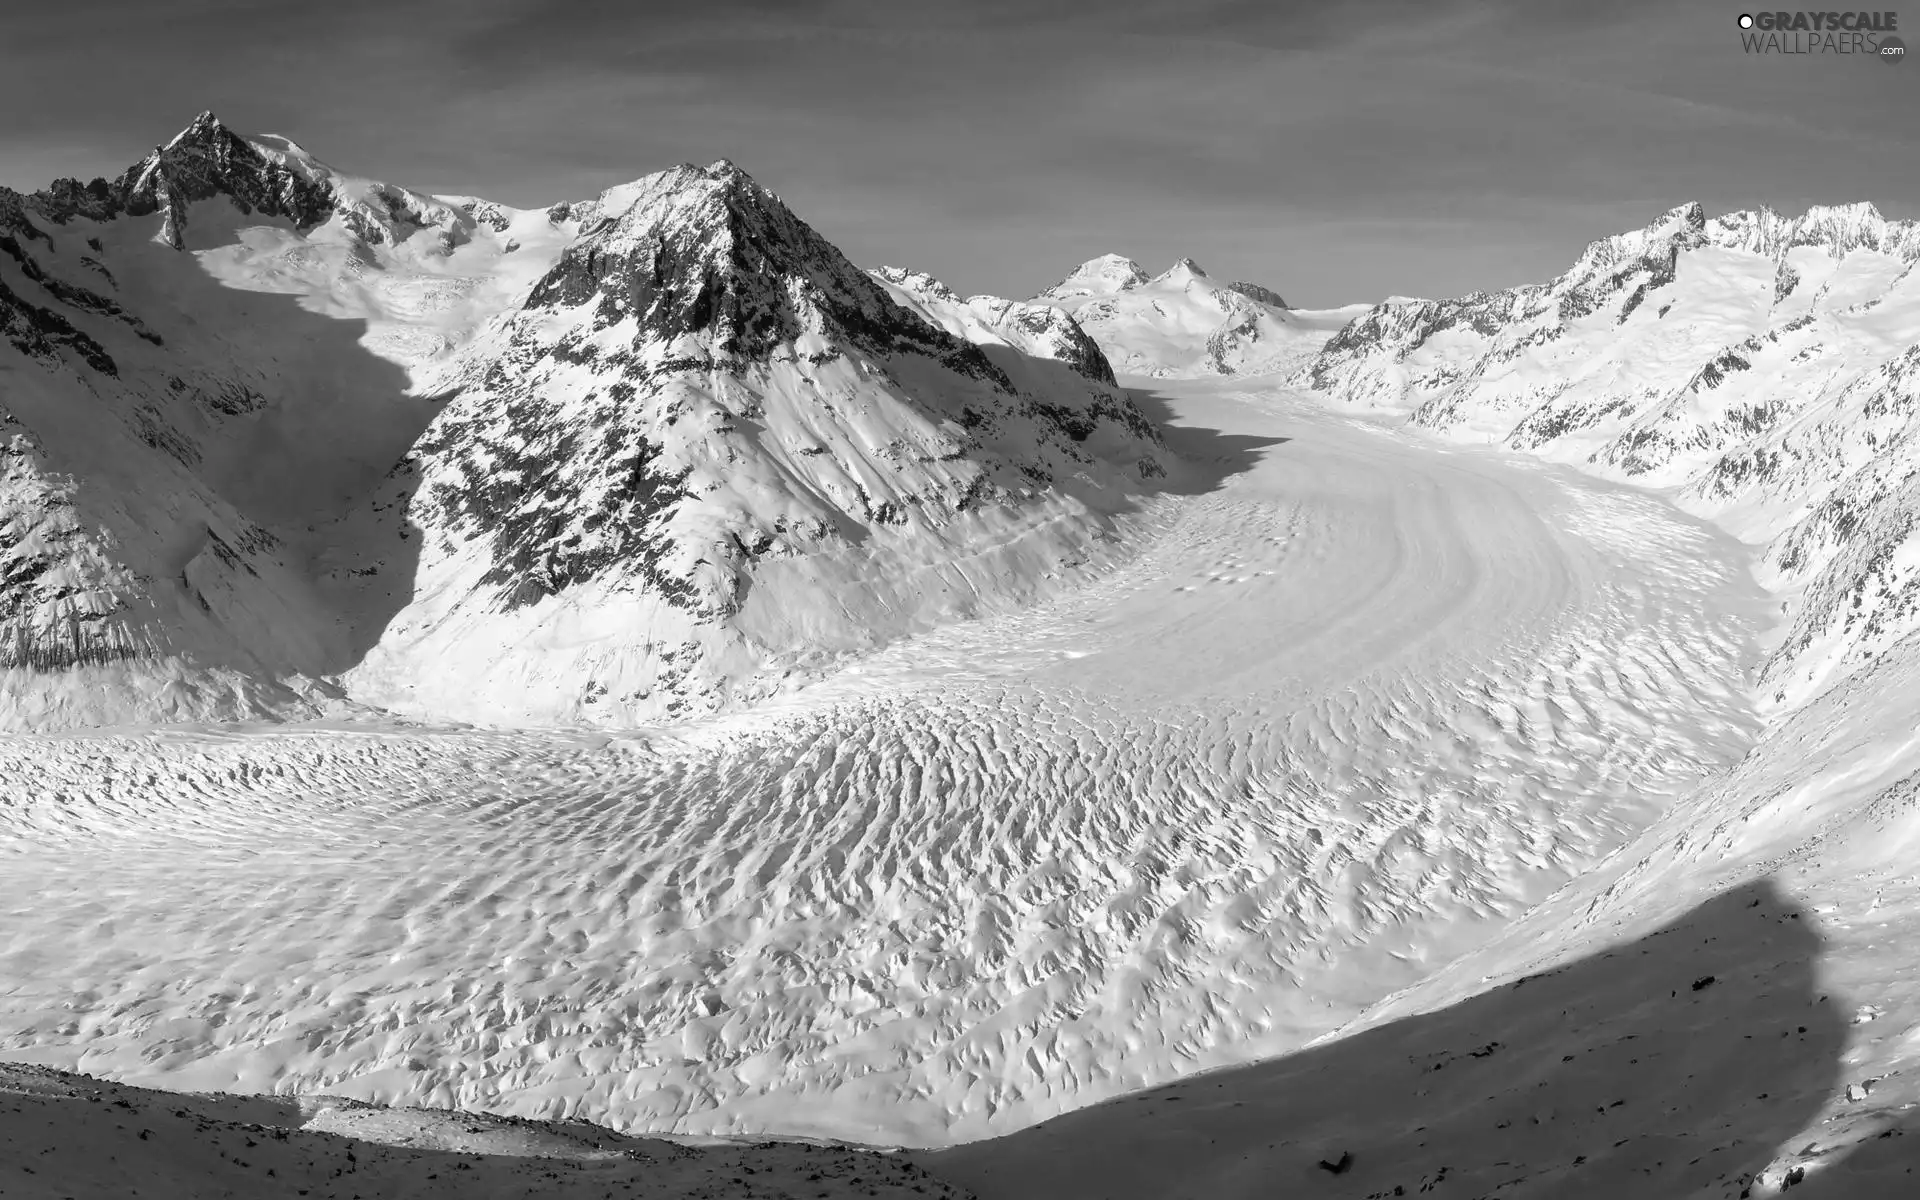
point(1320, 148)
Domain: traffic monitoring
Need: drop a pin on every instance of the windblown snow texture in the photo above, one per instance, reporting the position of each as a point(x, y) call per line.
point(1351, 706)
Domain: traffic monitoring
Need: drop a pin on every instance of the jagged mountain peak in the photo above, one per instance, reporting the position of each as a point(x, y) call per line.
point(712, 190)
point(1182, 270)
point(204, 130)
point(718, 192)
point(711, 254)
point(1682, 224)
point(692, 304)
point(206, 159)
point(1843, 227)
point(1691, 215)
point(1861, 212)
point(264, 175)
point(1835, 228)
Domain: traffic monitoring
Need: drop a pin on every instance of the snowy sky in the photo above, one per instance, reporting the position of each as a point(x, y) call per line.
point(1335, 152)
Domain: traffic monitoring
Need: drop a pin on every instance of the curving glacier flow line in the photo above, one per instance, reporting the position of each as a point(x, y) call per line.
point(1356, 701)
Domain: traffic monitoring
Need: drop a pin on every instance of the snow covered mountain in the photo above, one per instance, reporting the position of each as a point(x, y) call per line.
point(1765, 366)
point(1362, 728)
point(1183, 323)
point(278, 436)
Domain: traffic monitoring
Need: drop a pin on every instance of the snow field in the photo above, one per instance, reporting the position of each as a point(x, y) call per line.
point(1000, 871)
point(1723, 1008)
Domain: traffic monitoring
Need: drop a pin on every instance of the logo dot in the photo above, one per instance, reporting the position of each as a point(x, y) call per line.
point(1746, 20)
point(1892, 49)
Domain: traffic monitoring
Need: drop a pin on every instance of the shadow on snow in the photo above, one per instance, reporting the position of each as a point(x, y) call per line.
point(1671, 1066)
point(1208, 457)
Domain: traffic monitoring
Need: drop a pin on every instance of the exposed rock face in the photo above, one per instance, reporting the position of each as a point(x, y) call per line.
point(1762, 363)
point(612, 415)
point(697, 251)
point(62, 598)
point(114, 556)
point(1254, 291)
point(204, 160)
point(695, 296)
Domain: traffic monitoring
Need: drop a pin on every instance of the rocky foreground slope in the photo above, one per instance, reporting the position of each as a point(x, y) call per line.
point(71, 1136)
point(278, 437)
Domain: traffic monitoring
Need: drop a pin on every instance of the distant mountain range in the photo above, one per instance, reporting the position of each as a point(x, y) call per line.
point(1765, 367)
point(1182, 322)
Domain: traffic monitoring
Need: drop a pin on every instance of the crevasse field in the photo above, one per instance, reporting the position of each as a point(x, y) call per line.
point(1352, 700)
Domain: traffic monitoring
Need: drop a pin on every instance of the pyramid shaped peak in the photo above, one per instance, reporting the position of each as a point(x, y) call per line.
point(1680, 225)
point(723, 172)
point(718, 194)
point(709, 253)
point(203, 160)
point(206, 120)
point(1182, 269)
point(203, 130)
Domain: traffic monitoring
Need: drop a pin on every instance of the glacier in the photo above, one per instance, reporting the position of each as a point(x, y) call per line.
point(559, 697)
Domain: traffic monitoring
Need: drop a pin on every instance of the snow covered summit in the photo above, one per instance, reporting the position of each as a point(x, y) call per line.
point(320, 432)
point(1097, 277)
point(1182, 322)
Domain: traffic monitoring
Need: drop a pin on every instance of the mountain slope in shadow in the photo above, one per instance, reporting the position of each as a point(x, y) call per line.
point(1670, 1066)
point(72, 1136)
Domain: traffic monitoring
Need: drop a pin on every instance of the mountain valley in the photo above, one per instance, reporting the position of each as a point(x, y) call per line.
point(614, 698)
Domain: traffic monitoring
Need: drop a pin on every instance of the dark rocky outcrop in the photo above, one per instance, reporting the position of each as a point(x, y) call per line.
point(1254, 291)
point(204, 160)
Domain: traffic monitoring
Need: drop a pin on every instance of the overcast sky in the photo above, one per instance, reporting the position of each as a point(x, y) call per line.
point(1334, 152)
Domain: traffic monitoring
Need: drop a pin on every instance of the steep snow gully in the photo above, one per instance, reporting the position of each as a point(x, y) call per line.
point(1358, 699)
